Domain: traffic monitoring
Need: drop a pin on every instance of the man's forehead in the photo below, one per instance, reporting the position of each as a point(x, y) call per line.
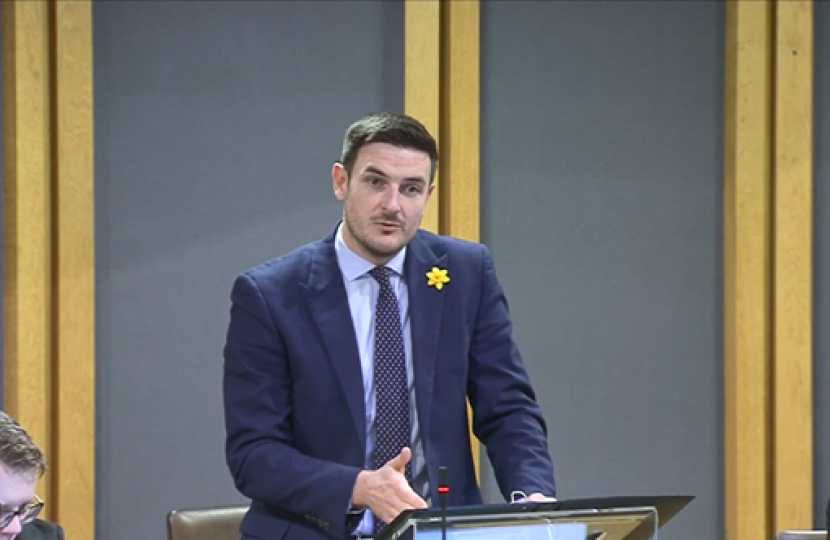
point(386, 152)
point(16, 487)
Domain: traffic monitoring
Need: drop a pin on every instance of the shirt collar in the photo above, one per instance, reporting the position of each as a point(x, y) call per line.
point(353, 266)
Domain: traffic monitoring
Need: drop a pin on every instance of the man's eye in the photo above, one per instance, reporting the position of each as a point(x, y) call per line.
point(412, 190)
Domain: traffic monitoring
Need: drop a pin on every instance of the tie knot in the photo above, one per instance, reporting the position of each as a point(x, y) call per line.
point(381, 275)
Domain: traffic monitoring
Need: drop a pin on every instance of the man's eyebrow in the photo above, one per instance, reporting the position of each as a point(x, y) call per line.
point(374, 170)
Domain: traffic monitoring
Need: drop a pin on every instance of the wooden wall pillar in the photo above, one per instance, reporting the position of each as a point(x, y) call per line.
point(768, 158)
point(48, 247)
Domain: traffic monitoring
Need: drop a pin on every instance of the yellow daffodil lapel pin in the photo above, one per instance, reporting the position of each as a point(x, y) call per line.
point(437, 277)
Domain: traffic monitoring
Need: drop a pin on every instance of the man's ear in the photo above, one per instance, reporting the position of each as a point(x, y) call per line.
point(339, 180)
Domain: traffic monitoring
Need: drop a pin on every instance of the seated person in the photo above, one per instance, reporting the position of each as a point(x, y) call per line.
point(21, 464)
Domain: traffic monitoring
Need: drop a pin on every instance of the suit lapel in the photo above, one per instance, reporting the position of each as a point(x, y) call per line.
point(329, 306)
point(426, 306)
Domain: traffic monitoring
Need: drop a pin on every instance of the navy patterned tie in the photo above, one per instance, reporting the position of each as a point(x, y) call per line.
point(391, 389)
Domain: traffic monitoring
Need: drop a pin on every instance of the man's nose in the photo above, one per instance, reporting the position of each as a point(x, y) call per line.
point(392, 203)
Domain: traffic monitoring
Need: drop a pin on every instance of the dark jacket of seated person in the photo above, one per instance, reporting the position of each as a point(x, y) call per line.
point(40, 530)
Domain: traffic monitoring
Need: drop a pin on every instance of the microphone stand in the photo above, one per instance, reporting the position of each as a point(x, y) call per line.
point(443, 490)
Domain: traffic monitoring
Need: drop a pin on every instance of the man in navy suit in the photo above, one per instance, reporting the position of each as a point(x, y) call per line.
point(349, 361)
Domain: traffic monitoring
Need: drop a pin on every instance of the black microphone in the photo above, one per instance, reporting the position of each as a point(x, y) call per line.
point(443, 489)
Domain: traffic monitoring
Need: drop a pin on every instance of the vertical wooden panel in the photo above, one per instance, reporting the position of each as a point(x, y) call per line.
point(422, 76)
point(27, 224)
point(747, 264)
point(793, 398)
point(460, 120)
point(459, 117)
point(74, 270)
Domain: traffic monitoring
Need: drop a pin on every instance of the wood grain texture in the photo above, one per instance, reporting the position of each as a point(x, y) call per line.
point(793, 169)
point(74, 270)
point(460, 167)
point(747, 269)
point(27, 291)
point(422, 79)
point(459, 131)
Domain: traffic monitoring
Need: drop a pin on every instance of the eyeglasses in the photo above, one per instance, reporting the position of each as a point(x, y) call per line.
point(27, 512)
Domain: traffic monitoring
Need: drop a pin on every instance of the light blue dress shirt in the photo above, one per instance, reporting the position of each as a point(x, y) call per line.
point(362, 291)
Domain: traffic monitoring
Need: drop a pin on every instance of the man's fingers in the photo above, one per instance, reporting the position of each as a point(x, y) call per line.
point(395, 495)
point(412, 500)
point(407, 500)
point(399, 462)
point(536, 497)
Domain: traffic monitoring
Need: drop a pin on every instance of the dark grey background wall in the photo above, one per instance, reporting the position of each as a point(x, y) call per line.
point(821, 268)
point(601, 201)
point(216, 126)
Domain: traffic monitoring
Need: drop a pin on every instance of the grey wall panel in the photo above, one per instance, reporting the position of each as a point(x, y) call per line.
point(216, 126)
point(601, 201)
point(821, 265)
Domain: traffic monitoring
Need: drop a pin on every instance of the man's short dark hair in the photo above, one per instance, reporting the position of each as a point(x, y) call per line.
point(391, 128)
point(18, 453)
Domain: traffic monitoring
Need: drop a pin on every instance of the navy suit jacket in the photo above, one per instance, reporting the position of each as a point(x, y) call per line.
point(293, 391)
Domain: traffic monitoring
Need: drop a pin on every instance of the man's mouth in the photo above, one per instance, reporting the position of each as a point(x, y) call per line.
point(388, 226)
